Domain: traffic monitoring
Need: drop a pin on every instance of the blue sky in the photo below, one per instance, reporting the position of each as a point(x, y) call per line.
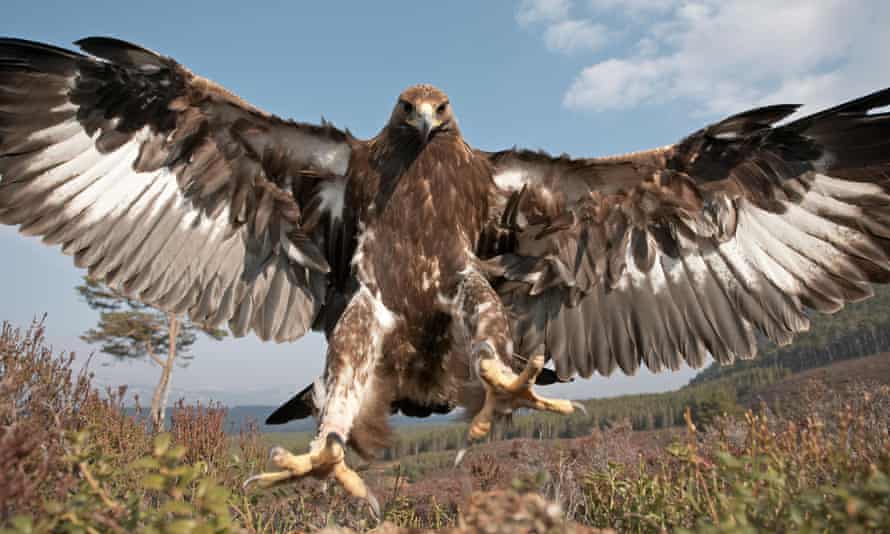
point(589, 77)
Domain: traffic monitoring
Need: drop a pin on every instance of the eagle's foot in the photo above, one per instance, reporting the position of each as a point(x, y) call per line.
point(506, 391)
point(321, 462)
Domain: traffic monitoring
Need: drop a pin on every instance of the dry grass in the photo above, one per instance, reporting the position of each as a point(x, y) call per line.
point(42, 401)
point(73, 460)
point(201, 430)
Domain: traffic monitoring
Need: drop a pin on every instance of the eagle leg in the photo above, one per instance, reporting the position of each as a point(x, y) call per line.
point(478, 308)
point(485, 322)
point(354, 350)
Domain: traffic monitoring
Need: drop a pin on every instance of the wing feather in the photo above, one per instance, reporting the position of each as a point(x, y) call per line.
point(673, 254)
point(167, 186)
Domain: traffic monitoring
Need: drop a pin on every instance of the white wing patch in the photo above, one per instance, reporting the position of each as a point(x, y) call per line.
point(322, 153)
point(332, 194)
point(511, 180)
point(140, 233)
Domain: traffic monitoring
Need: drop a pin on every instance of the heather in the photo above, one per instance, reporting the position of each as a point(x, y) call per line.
point(799, 453)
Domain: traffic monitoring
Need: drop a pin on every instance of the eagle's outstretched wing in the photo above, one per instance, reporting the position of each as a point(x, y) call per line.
point(667, 255)
point(167, 186)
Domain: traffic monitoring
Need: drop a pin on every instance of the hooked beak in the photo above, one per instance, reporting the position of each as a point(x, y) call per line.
point(425, 121)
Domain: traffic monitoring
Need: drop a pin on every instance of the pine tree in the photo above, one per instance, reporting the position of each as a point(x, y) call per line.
point(130, 329)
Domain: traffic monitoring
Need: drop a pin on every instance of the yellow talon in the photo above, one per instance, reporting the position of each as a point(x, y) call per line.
point(505, 391)
point(481, 423)
point(321, 463)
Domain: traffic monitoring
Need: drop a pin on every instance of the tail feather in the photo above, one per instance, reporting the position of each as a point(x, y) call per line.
point(298, 407)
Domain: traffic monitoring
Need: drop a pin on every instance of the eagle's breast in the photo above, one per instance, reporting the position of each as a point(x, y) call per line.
point(420, 226)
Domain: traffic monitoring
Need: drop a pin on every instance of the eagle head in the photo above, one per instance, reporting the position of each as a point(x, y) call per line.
point(425, 110)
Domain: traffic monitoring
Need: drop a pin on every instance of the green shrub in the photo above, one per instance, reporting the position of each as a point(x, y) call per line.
point(757, 475)
point(169, 497)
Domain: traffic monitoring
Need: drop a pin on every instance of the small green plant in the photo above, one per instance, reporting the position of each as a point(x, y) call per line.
point(779, 477)
point(170, 496)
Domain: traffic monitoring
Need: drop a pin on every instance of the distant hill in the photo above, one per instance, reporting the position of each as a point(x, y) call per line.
point(789, 395)
point(238, 417)
point(859, 329)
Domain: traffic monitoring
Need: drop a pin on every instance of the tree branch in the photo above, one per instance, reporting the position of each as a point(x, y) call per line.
point(156, 359)
point(151, 353)
point(97, 488)
point(173, 330)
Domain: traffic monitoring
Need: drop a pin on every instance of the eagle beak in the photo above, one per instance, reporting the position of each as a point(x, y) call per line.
point(426, 121)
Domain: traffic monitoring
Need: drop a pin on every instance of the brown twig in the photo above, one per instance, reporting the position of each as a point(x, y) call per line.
point(94, 485)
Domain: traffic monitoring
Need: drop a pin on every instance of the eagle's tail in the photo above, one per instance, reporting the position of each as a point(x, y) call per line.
point(298, 407)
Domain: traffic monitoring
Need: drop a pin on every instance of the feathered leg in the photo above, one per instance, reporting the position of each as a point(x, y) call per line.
point(353, 353)
point(484, 319)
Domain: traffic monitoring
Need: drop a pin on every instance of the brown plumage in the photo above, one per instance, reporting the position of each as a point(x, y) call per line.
point(420, 256)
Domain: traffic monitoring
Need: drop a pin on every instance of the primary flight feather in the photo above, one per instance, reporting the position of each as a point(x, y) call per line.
point(442, 275)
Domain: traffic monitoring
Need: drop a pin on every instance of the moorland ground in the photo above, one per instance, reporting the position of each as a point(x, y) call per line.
point(773, 450)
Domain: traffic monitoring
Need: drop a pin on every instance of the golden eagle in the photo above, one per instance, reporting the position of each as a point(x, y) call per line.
point(442, 275)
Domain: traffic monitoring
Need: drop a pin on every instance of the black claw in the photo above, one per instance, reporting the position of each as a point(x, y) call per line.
point(334, 437)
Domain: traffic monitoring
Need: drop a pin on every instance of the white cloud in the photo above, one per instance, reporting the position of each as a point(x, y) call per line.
point(572, 35)
point(614, 84)
point(632, 5)
point(533, 11)
point(727, 55)
point(562, 33)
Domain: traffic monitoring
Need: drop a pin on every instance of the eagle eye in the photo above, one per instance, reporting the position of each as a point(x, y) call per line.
point(407, 107)
point(442, 107)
